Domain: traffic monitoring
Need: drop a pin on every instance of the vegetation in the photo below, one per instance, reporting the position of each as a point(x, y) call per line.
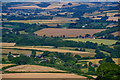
point(108, 71)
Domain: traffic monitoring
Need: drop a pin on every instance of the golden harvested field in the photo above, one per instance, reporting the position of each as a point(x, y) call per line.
point(111, 14)
point(4, 65)
point(42, 21)
point(111, 25)
point(33, 68)
point(19, 51)
point(24, 7)
point(112, 19)
point(67, 32)
point(55, 76)
point(53, 5)
point(82, 54)
point(99, 41)
point(116, 33)
point(96, 61)
point(64, 19)
point(8, 44)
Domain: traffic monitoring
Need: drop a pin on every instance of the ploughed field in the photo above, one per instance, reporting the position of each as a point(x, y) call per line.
point(67, 32)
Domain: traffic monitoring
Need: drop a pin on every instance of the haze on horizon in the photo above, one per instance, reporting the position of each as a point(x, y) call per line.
point(59, 0)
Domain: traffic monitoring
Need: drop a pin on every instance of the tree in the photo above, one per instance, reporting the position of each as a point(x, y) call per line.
point(87, 35)
point(70, 4)
point(10, 57)
point(100, 55)
point(107, 59)
point(90, 63)
point(77, 56)
point(3, 60)
point(108, 71)
point(33, 54)
point(17, 33)
point(63, 36)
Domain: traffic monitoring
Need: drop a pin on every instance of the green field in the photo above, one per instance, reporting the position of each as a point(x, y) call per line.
point(99, 41)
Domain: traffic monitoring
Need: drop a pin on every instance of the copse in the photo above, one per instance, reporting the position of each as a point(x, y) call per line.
point(108, 71)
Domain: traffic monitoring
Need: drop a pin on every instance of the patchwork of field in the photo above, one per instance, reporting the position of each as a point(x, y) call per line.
point(99, 41)
point(33, 68)
point(96, 61)
point(8, 44)
point(67, 32)
point(82, 54)
point(98, 15)
point(44, 75)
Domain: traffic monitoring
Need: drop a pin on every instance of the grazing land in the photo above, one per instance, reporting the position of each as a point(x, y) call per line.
point(82, 54)
point(99, 41)
point(33, 68)
point(67, 32)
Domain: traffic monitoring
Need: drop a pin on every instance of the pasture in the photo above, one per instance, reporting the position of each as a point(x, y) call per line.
point(67, 32)
point(99, 41)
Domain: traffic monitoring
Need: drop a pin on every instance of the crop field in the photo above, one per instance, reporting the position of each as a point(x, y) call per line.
point(96, 61)
point(33, 68)
point(19, 51)
point(7, 44)
point(96, 14)
point(4, 65)
point(116, 33)
point(67, 32)
point(82, 54)
point(112, 19)
point(99, 41)
point(24, 7)
point(43, 21)
point(111, 25)
point(57, 76)
point(64, 19)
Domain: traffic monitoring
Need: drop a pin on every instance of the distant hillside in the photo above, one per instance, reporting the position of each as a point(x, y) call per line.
point(62, 0)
